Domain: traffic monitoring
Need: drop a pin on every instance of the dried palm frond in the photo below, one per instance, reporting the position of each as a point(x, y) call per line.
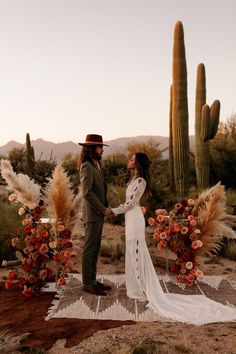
point(213, 220)
point(26, 190)
point(59, 196)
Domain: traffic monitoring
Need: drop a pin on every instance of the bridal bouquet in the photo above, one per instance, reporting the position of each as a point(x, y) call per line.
point(47, 247)
point(193, 228)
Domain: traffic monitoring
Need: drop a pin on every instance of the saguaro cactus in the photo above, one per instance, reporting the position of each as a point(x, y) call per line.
point(30, 158)
point(171, 159)
point(180, 114)
point(206, 125)
point(200, 147)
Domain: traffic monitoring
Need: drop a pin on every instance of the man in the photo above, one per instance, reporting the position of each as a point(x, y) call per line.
point(93, 188)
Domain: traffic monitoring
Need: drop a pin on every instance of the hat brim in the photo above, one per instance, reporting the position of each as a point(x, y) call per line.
point(92, 143)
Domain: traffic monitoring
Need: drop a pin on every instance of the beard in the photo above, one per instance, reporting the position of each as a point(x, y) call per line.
point(98, 157)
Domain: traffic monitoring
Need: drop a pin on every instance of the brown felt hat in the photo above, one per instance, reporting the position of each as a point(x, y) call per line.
point(93, 139)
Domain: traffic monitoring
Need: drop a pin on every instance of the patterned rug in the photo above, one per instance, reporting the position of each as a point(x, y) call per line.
point(72, 302)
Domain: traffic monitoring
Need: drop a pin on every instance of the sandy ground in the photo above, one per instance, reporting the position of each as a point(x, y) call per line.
point(154, 337)
point(157, 337)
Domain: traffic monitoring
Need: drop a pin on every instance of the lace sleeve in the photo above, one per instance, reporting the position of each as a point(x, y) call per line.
point(133, 199)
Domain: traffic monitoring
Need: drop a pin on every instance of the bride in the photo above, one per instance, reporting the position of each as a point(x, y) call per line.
point(141, 280)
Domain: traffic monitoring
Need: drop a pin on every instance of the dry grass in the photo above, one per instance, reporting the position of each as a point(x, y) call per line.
point(113, 249)
point(9, 343)
point(147, 346)
point(213, 260)
point(230, 251)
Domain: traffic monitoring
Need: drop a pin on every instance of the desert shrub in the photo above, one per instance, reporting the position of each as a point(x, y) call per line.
point(115, 169)
point(223, 153)
point(116, 196)
point(43, 170)
point(147, 346)
point(231, 201)
point(229, 249)
point(112, 249)
point(10, 227)
point(70, 165)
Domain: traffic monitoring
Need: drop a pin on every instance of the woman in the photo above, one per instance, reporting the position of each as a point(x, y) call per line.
point(141, 281)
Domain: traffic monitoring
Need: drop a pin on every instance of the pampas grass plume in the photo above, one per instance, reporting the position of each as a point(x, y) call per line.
point(26, 190)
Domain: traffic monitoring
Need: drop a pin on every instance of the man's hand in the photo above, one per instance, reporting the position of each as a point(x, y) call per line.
point(108, 212)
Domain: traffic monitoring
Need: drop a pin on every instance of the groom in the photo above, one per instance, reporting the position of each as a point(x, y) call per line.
point(93, 188)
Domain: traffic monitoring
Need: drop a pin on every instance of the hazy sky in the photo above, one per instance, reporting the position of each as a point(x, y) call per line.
point(72, 67)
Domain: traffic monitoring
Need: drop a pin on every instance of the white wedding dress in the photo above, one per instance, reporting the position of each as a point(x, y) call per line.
point(141, 279)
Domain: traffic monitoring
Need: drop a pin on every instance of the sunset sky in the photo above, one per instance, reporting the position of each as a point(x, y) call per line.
point(72, 67)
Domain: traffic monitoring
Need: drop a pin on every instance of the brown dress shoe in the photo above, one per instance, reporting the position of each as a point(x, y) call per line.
point(103, 286)
point(94, 289)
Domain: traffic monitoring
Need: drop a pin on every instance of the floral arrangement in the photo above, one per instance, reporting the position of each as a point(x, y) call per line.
point(178, 232)
point(47, 253)
point(191, 229)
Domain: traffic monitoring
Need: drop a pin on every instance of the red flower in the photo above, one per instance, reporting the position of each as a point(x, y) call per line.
point(12, 276)
point(27, 292)
point(43, 233)
point(22, 281)
point(66, 243)
point(57, 257)
point(27, 230)
point(186, 256)
point(27, 268)
point(65, 234)
point(8, 284)
point(174, 268)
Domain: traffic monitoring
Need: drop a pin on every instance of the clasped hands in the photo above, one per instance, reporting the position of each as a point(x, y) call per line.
point(108, 212)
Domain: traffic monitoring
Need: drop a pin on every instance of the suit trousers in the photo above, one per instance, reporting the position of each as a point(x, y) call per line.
point(92, 244)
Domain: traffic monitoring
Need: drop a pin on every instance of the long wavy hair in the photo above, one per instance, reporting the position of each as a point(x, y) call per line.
point(87, 154)
point(142, 165)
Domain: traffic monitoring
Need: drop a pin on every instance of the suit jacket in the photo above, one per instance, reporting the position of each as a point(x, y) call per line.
point(93, 188)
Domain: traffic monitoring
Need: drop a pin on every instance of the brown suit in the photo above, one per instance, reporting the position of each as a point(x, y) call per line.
point(93, 188)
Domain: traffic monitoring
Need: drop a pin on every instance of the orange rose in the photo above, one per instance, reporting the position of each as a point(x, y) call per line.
point(151, 221)
point(61, 281)
point(161, 218)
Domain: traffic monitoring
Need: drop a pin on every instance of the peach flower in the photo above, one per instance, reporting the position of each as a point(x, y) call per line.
point(195, 244)
point(43, 274)
point(184, 230)
point(189, 265)
point(199, 243)
point(198, 273)
point(61, 281)
point(151, 221)
point(12, 197)
point(144, 210)
point(163, 235)
point(161, 218)
point(32, 206)
point(21, 211)
point(193, 222)
point(191, 202)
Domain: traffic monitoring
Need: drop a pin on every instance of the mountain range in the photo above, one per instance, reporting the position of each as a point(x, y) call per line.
point(46, 149)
